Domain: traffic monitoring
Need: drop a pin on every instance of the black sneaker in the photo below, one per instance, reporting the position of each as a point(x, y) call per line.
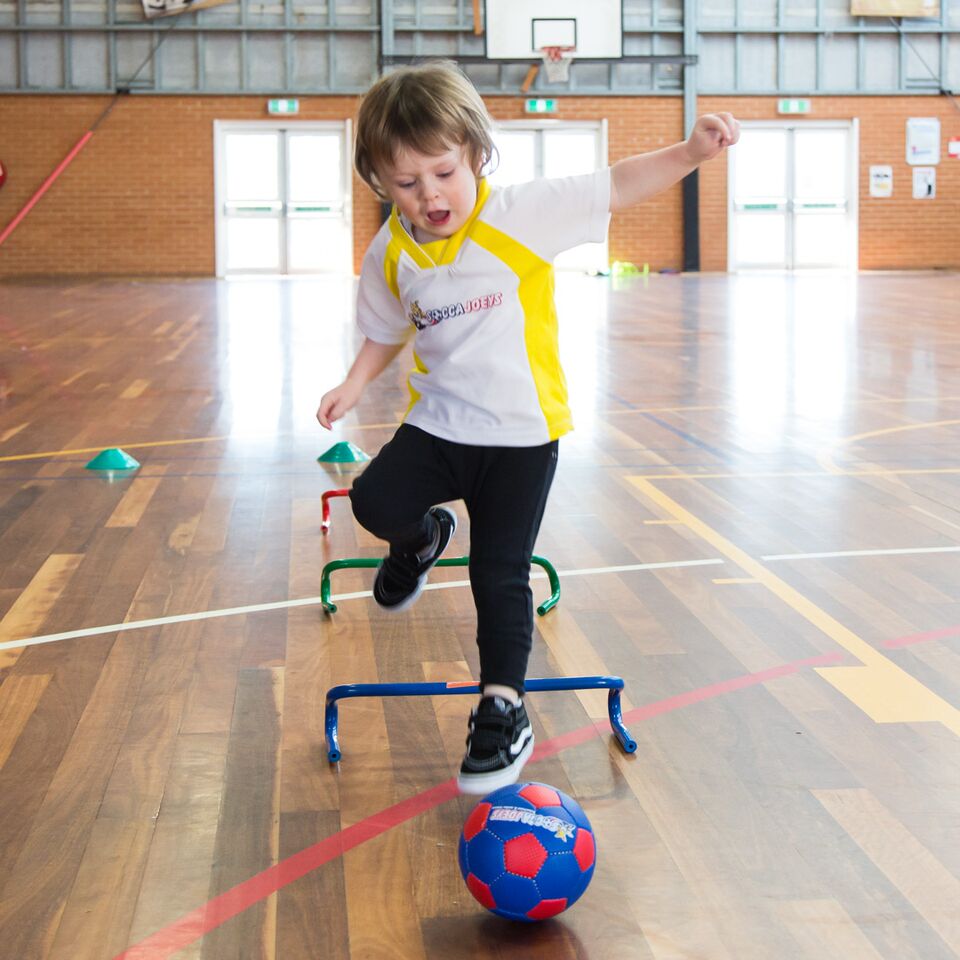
point(401, 577)
point(499, 744)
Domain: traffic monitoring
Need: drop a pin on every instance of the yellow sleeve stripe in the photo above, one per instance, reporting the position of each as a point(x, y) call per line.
point(405, 242)
point(419, 367)
point(451, 246)
point(436, 253)
point(536, 293)
point(390, 260)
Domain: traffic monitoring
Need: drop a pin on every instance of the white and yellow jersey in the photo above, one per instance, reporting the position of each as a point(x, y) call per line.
point(480, 306)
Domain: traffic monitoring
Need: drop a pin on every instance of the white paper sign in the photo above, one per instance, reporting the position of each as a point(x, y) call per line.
point(923, 141)
point(881, 181)
point(924, 183)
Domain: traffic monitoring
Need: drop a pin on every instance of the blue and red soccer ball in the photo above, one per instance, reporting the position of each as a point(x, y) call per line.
point(527, 851)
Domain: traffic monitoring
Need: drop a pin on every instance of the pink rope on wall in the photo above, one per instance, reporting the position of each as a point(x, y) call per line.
point(45, 186)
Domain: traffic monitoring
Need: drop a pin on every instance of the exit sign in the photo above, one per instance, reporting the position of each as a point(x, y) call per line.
point(539, 105)
point(283, 106)
point(793, 106)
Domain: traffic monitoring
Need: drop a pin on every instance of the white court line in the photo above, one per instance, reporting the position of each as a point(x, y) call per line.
point(311, 601)
point(934, 516)
point(861, 553)
point(315, 601)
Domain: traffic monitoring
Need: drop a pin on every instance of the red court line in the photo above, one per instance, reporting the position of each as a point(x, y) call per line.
point(922, 637)
point(192, 926)
point(46, 185)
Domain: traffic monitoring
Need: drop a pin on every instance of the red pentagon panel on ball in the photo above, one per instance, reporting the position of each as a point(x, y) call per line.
point(476, 821)
point(547, 908)
point(584, 849)
point(481, 892)
point(524, 856)
point(540, 796)
point(527, 852)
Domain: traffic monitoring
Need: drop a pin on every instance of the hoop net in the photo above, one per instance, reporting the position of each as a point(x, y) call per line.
point(556, 63)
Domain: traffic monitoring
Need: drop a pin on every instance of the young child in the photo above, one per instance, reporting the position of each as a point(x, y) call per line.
point(465, 271)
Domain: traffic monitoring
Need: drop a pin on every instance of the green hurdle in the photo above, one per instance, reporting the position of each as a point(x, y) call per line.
point(364, 562)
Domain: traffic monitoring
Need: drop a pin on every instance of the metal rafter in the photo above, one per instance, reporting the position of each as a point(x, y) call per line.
point(393, 37)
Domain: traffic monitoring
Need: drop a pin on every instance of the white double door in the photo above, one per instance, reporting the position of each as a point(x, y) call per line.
point(283, 198)
point(549, 148)
point(793, 196)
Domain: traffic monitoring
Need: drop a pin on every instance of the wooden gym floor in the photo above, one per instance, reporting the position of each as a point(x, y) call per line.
point(757, 525)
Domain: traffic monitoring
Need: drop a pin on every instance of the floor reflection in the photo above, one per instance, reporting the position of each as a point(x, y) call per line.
point(742, 370)
point(284, 342)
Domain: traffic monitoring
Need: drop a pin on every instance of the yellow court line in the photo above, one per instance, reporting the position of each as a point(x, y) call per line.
point(884, 691)
point(724, 406)
point(826, 460)
point(374, 426)
point(905, 400)
point(155, 443)
point(125, 446)
point(801, 473)
point(900, 429)
point(664, 409)
point(723, 581)
point(934, 516)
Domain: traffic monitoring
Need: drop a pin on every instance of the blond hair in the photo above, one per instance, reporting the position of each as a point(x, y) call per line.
point(430, 108)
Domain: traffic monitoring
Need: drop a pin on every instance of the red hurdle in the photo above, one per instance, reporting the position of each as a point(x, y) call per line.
point(325, 501)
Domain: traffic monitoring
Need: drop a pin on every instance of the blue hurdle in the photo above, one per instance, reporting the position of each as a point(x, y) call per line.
point(344, 691)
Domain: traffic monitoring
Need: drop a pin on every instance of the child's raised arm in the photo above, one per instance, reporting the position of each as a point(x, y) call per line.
point(636, 178)
point(372, 359)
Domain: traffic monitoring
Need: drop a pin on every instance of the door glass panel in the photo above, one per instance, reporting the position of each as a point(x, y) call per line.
point(315, 167)
point(319, 245)
point(569, 152)
point(253, 243)
point(518, 152)
point(253, 167)
point(820, 164)
point(561, 153)
point(318, 238)
point(803, 171)
point(821, 240)
point(286, 207)
point(761, 165)
point(761, 239)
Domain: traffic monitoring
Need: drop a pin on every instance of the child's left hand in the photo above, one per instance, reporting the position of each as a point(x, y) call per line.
point(712, 133)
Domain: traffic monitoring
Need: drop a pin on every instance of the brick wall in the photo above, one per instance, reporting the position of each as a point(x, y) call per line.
point(653, 232)
point(896, 233)
point(139, 197)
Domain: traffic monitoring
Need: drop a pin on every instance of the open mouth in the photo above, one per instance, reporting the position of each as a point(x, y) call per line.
point(438, 218)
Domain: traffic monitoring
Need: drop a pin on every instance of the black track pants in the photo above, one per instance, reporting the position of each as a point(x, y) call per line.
point(505, 491)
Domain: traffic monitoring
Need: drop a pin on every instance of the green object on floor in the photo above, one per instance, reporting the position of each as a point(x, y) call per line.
point(343, 452)
point(112, 458)
point(366, 562)
point(621, 268)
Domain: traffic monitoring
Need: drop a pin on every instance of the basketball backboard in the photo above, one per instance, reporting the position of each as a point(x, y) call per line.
point(520, 29)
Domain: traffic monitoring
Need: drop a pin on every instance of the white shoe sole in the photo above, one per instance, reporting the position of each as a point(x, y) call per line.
point(479, 784)
point(422, 582)
point(410, 600)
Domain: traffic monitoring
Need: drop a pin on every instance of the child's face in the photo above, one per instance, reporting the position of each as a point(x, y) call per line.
point(436, 193)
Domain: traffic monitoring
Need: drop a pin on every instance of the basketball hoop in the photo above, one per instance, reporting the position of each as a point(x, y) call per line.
point(556, 63)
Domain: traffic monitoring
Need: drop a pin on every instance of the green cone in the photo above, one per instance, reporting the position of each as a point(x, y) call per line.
point(343, 452)
point(112, 459)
